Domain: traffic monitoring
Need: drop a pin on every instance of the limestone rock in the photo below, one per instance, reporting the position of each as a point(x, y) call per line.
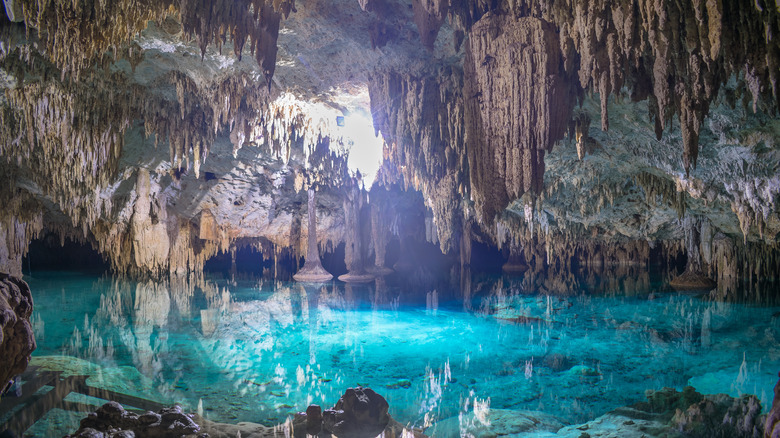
point(677, 414)
point(16, 335)
point(312, 270)
point(517, 106)
point(772, 424)
point(112, 419)
point(359, 413)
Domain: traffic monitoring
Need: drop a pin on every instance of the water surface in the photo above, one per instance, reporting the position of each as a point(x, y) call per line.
point(260, 350)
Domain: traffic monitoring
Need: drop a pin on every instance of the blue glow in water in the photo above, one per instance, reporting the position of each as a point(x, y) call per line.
point(259, 351)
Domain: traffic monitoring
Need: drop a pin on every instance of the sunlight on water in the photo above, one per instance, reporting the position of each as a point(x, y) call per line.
point(261, 350)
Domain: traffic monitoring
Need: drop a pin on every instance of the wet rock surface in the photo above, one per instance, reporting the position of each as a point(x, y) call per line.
point(772, 425)
point(112, 420)
point(359, 413)
point(17, 341)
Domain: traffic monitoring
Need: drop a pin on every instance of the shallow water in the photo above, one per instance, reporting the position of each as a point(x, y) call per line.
point(258, 351)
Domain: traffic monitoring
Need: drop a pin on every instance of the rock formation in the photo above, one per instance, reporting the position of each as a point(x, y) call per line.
point(16, 334)
point(179, 148)
point(772, 424)
point(354, 207)
point(312, 270)
point(112, 419)
point(359, 413)
point(517, 107)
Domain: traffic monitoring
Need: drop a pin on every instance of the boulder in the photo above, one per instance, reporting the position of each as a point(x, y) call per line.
point(113, 420)
point(16, 334)
point(359, 413)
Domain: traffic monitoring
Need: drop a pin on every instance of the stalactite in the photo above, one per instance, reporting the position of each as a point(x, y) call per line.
point(517, 106)
point(381, 213)
point(20, 222)
point(78, 33)
point(47, 123)
point(693, 277)
point(429, 15)
point(677, 54)
point(656, 187)
point(421, 120)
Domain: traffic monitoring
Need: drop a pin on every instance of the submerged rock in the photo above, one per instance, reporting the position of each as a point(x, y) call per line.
point(17, 341)
point(497, 422)
point(671, 413)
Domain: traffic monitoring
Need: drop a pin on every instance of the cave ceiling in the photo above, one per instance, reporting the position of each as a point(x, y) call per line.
point(164, 133)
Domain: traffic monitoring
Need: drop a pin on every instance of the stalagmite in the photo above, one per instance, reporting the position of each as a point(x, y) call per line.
point(312, 271)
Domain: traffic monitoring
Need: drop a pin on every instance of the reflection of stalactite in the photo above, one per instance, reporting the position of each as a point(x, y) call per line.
point(151, 310)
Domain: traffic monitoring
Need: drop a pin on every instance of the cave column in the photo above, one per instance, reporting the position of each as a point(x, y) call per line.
point(378, 207)
point(355, 259)
point(312, 270)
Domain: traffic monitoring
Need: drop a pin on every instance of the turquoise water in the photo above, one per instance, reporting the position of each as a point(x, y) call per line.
point(258, 350)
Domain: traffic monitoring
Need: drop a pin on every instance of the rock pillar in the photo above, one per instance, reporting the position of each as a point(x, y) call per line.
point(379, 229)
point(354, 251)
point(312, 270)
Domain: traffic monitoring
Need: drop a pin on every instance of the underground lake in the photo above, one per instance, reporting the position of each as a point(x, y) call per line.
point(258, 350)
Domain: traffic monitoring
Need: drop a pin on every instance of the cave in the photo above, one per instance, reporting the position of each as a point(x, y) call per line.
point(396, 218)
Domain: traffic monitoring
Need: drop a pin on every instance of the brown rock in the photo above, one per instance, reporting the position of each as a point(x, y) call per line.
point(772, 424)
point(17, 341)
point(313, 419)
point(359, 413)
point(517, 106)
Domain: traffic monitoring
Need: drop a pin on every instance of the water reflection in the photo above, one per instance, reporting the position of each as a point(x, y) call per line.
point(574, 345)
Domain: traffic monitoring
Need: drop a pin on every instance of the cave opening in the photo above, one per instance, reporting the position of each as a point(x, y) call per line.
point(50, 252)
